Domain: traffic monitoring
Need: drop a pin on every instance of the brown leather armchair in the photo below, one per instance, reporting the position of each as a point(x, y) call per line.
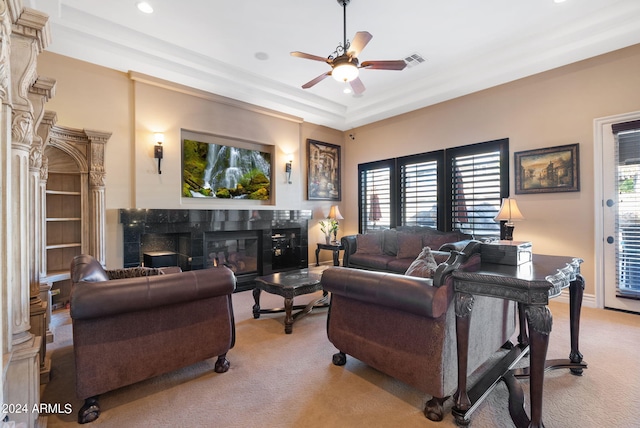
point(405, 326)
point(130, 329)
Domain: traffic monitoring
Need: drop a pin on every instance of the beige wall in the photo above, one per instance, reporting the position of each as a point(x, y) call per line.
point(135, 106)
point(550, 109)
point(553, 108)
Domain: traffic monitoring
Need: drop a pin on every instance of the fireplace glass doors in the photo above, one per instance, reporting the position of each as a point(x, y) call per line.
point(239, 251)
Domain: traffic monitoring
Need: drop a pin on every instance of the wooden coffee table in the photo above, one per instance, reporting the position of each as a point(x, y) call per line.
point(289, 285)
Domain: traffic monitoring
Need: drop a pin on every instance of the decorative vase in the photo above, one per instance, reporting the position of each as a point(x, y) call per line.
point(327, 238)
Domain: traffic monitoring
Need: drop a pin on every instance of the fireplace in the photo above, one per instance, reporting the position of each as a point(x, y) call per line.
point(250, 242)
point(239, 251)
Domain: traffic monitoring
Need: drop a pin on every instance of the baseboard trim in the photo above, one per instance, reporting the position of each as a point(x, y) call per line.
point(588, 300)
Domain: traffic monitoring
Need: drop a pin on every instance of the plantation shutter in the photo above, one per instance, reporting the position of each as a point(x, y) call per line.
point(375, 197)
point(628, 207)
point(476, 193)
point(419, 194)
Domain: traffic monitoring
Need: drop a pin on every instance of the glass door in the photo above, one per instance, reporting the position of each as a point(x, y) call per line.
point(621, 145)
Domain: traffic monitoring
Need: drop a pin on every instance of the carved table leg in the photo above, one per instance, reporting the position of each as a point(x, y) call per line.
point(576, 291)
point(288, 317)
point(539, 322)
point(336, 257)
point(317, 256)
point(256, 306)
point(463, 305)
point(523, 337)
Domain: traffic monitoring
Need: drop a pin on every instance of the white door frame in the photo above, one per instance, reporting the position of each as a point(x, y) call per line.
point(599, 125)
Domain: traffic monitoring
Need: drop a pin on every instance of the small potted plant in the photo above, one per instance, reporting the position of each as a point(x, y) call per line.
point(329, 227)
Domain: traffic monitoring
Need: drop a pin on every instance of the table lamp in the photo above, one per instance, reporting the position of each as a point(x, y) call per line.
point(334, 215)
point(508, 211)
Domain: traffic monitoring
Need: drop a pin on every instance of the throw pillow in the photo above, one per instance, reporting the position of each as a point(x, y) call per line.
point(409, 245)
point(368, 244)
point(134, 272)
point(424, 265)
point(390, 242)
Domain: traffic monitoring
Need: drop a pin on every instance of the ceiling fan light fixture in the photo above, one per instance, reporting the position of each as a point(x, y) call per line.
point(345, 72)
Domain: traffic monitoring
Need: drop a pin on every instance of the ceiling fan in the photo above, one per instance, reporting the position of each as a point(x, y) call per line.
point(344, 61)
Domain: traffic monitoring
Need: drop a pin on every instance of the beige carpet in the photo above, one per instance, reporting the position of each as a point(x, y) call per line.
point(279, 380)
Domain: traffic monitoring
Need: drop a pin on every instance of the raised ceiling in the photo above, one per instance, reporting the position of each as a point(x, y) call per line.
point(241, 48)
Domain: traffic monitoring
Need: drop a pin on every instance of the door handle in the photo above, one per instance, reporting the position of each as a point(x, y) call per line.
point(610, 203)
point(610, 239)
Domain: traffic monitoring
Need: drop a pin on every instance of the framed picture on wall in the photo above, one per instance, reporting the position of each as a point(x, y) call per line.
point(323, 166)
point(216, 167)
point(554, 169)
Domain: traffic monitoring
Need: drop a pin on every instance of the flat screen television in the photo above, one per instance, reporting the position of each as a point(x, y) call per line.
point(219, 167)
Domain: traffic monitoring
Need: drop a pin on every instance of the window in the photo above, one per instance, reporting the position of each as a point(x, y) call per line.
point(478, 177)
point(419, 190)
point(453, 189)
point(375, 195)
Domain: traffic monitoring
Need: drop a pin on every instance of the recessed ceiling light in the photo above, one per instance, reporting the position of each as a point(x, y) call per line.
point(559, 1)
point(144, 7)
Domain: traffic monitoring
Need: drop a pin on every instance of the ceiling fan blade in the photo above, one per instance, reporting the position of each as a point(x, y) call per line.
point(316, 80)
point(357, 85)
point(309, 56)
point(358, 43)
point(384, 65)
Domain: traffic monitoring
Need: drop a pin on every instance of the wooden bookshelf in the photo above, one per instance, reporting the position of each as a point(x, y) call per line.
point(64, 231)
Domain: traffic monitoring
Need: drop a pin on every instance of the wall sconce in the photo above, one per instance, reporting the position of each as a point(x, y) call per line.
point(287, 168)
point(157, 149)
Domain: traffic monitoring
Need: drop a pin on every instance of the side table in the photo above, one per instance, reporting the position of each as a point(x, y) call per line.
point(335, 247)
point(530, 285)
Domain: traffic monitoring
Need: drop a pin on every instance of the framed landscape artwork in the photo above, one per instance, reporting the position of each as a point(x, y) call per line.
point(324, 171)
point(554, 169)
point(218, 167)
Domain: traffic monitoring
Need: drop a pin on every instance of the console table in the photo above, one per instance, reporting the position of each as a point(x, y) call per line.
point(530, 285)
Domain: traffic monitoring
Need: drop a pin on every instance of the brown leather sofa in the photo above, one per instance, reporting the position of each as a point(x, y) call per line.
point(405, 326)
point(393, 250)
point(130, 329)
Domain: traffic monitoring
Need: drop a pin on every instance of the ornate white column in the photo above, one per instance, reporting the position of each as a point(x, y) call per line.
point(41, 91)
point(30, 35)
point(24, 51)
point(97, 220)
point(6, 255)
point(49, 119)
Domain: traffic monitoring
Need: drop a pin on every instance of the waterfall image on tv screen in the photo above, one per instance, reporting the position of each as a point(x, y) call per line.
point(226, 172)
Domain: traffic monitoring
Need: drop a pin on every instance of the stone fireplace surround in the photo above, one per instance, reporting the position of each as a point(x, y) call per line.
point(186, 232)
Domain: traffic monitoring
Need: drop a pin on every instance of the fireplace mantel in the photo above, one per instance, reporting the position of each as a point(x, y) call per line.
point(184, 231)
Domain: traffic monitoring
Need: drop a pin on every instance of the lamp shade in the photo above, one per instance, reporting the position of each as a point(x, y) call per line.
point(509, 211)
point(334, 213)
point(345, 72)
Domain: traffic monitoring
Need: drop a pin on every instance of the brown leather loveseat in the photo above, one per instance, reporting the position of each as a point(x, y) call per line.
point(405, 326)
point(130, 329)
